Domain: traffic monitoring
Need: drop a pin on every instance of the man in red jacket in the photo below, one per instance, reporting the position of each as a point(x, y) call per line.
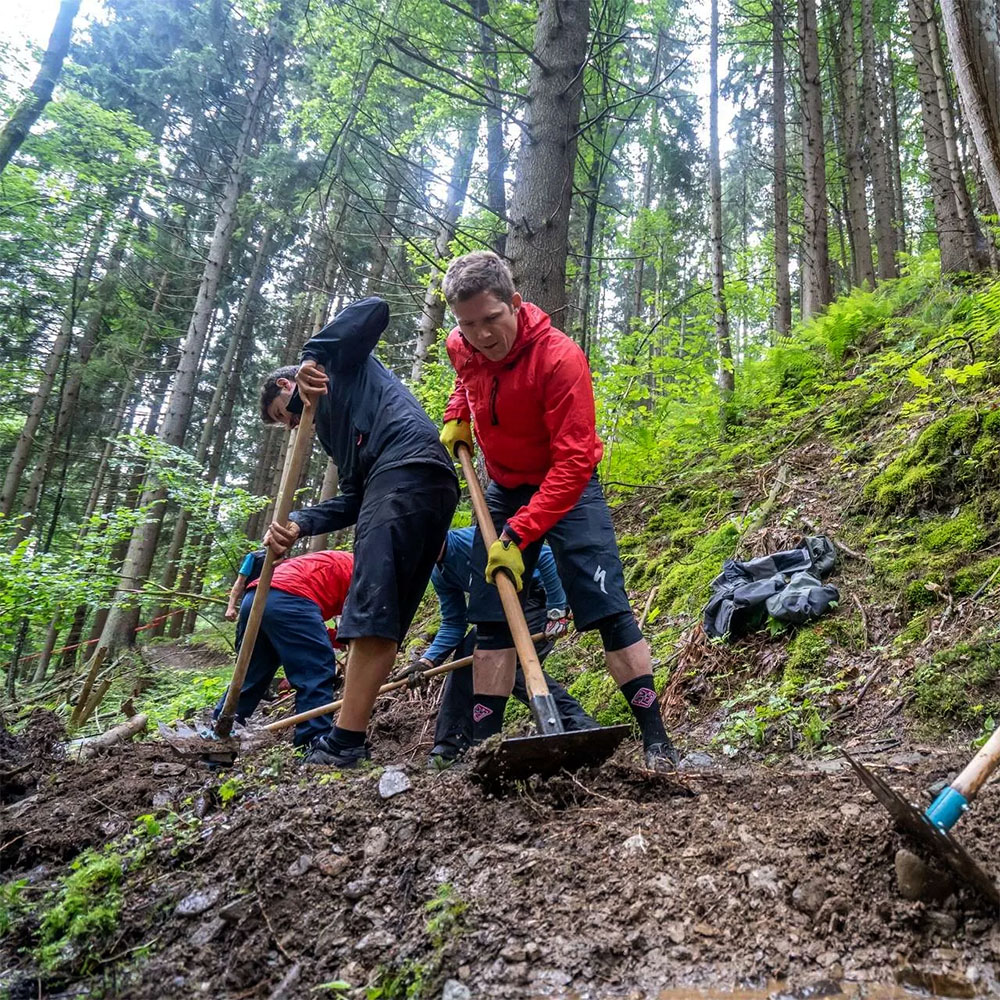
point(305, 593)
point(525, 389)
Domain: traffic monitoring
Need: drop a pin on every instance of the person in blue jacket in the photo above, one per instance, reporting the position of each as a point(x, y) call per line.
point(397, 486)
point(545, 611)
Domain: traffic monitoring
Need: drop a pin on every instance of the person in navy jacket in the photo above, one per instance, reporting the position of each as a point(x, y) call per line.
point(397, 486)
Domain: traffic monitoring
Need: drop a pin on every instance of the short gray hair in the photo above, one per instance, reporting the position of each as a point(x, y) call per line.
point(479, 271)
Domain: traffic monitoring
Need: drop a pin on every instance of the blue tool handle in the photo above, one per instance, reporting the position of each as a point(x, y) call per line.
point(947, 808)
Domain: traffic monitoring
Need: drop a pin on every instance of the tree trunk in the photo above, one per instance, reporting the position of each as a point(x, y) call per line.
point(496, 153)
point(319, 543)
point(383, 235)
point(952, 236)
point(432, 314)
point(895, 157)
point(45, 657)
point(853, 138)
point(26, 439)
point(26, 113)
point(724, 372)
point(878, 151)
point(543, 188)
point(816, 288)
point(973, 30)
point(783, 288)
point(121, 622)
point(227, 377)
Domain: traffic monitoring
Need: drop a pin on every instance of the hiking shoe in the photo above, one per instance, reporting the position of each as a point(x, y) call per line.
point(442, 757)
point(662, 757)
point(323, 753)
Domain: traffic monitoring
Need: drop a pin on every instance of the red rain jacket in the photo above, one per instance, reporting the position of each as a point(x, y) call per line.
point(322, 577)
point(533, 416)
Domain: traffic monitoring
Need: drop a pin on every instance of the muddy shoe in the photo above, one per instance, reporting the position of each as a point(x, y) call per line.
point(322, 753)
point(442, 757)
point(662, 757)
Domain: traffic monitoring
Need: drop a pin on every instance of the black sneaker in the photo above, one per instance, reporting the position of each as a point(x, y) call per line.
point(662, 757)
point(322, 752)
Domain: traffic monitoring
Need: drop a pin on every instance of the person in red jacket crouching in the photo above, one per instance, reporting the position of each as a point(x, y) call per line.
point(524, 388)
point(305, 593)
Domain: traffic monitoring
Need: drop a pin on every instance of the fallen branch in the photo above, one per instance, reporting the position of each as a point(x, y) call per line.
point(649, 604)
point(86, 748)
point(84, 697)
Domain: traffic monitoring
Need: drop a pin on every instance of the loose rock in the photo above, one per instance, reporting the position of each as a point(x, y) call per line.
point(393, 782)
point(198, 902)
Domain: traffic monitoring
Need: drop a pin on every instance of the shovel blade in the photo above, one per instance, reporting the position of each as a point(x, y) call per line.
point(520, 757)
point(938, 844)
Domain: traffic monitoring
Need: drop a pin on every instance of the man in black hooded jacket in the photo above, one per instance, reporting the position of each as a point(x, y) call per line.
point(397, 484)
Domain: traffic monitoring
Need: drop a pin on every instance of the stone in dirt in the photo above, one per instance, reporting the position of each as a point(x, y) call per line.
point(393, 782)
point(207, 932)
point(198, 902)
point(808, 897)
point(237, 909)
point(164, 769)
point(764, 881)
point(376, 842)
point(454, 990)
point(636, 844)
point(300, 866)
point(918, 880)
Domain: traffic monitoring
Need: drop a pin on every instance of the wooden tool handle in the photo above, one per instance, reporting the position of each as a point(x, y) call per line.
point(974, 776)
point(533, 676)
point(294, 460)
point(313, 713)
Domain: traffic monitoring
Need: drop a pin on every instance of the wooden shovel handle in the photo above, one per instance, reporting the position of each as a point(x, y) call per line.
point(530, 664)
point(974, 776)
point(294, 460)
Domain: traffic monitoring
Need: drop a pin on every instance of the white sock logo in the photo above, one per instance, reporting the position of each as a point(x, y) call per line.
point(599, 578)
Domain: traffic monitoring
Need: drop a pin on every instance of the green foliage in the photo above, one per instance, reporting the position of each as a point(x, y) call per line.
point(956, 684)
point(86, 907)
point(962, 533)
point(791, 716)
point(407, 982)
point(807, 654)
point(12, 904)
point(444, 915)
point(180, 694)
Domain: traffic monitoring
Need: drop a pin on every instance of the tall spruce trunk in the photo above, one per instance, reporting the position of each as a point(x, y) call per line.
point(724, 372)
point(973, 29)
point(878, 151)
point(895, 158)
point(27, 112)
point(853, 137)
point(121, 621)
point(432, 312)
point(29, 432)
point(228, 374)
point(543, 188)
point(782, 286)
point(817, 291)
point(952, 235)
point(496, 153)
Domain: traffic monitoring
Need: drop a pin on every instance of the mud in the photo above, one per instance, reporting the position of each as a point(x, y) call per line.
point(609, 883)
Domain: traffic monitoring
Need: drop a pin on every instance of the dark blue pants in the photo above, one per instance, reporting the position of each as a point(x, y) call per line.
point(453, 728)
point(292, 634)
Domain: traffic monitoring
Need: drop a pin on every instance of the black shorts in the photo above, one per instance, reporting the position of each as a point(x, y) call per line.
point(583, 543)
point(404, 517)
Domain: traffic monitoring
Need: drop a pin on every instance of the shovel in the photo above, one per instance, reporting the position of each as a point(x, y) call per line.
point(217, 744)
point(931, 827)
point(515, 759)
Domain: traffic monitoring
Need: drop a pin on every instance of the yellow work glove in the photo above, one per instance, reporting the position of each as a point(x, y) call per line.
point(454, 433)
point(504, 555)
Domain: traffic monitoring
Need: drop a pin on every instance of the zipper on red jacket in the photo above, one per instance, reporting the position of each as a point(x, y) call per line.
point(494, 419)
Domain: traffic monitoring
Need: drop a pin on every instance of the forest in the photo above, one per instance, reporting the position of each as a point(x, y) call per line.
point(772, 229)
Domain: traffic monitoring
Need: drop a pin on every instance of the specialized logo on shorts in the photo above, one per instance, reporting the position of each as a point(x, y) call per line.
point(643, 698)
point(480, 712)
point(599, 578)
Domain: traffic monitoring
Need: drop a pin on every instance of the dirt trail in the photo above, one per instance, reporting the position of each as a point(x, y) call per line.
point(604, 884)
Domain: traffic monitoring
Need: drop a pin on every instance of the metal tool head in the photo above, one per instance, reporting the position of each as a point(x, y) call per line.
point(201, 743)
point(520, 757)
point(940, 845)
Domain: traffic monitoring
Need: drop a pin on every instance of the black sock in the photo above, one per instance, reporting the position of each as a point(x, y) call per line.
point(487, 715)
point(346, 739)
point(641, 698)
